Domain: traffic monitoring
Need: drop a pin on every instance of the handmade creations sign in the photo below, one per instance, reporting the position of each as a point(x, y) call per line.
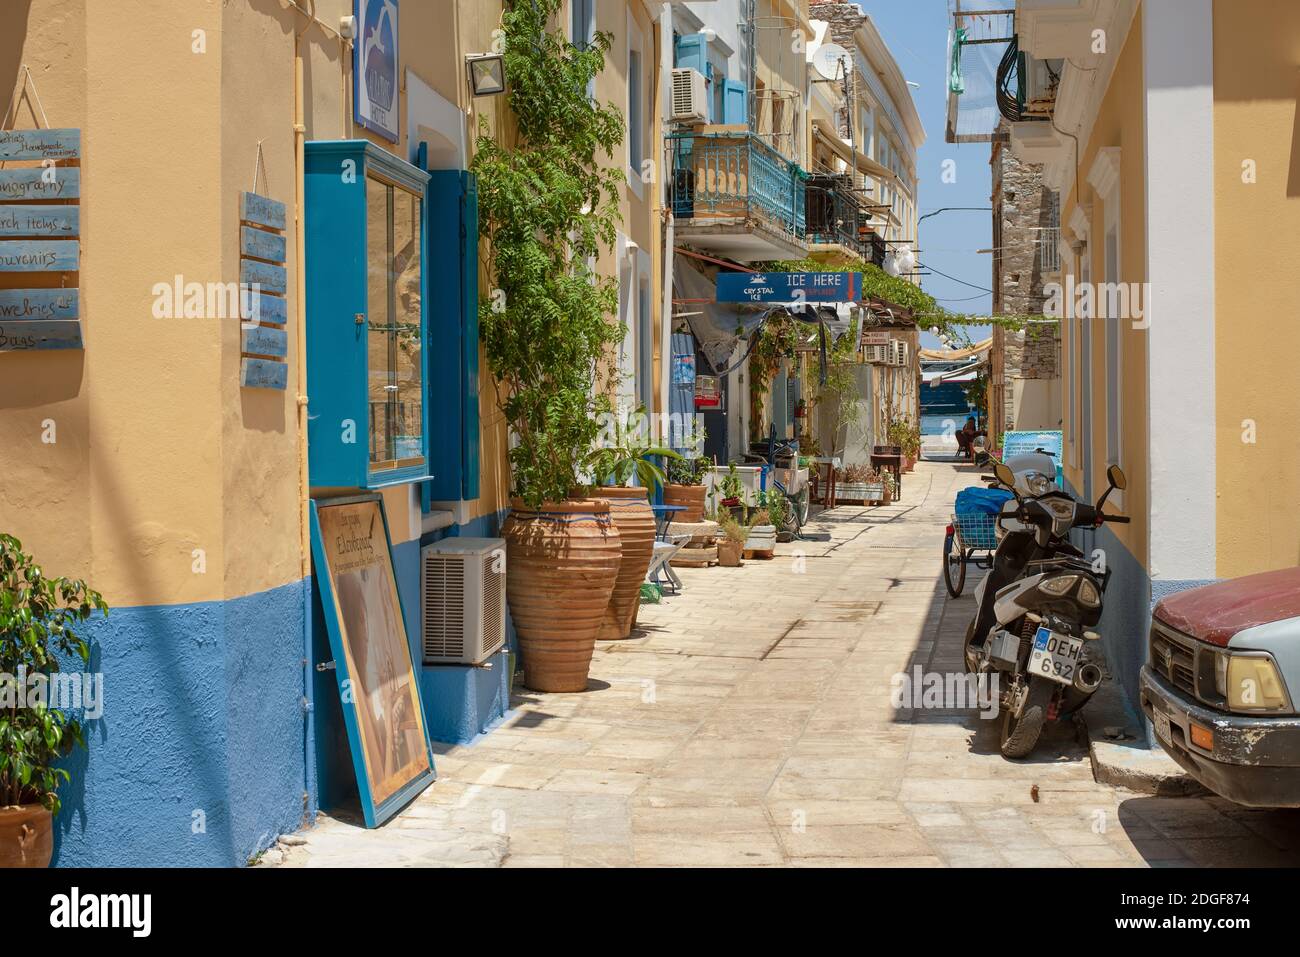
point(785, 287)
point(39, 228)
point(374, 67)
point(372, 658)
point(263, 281)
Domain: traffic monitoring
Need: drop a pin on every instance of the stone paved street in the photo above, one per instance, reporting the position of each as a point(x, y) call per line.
point(750, 723)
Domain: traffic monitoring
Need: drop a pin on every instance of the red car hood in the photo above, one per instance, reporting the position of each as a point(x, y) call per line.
point(1214, 613)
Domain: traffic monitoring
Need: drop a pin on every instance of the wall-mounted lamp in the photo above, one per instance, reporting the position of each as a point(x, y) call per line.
point(487, 73)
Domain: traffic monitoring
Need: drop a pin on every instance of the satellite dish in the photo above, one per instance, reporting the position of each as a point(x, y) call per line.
point(832, 61)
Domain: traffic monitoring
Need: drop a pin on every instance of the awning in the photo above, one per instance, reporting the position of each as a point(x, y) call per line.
point(856, 158)
point(965, 373)
point(954, 355)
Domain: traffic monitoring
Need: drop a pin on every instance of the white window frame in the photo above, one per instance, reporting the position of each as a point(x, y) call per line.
point(1105, 179)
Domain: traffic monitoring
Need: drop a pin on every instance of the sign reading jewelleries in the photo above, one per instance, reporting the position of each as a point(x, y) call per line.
point(40, 226)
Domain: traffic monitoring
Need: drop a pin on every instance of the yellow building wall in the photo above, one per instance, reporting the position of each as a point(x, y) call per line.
point(1119, 123)
point(1257, 283)
point(166, 481)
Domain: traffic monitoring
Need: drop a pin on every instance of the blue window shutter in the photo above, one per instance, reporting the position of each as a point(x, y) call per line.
point(469, 338)
point(733, 102)
point(692, 51)
point(452, 388)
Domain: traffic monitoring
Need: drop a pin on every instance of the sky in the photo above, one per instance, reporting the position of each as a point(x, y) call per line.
point(917, 34)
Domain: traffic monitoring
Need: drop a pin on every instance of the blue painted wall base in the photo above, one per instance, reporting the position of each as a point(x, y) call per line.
point(461, 701)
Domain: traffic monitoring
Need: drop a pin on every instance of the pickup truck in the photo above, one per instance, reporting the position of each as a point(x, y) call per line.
point(1221, 681)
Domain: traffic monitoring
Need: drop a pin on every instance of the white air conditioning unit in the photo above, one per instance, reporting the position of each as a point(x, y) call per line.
point(690, 96)
point(899, 352)
point(463, 599)
point(881, 355)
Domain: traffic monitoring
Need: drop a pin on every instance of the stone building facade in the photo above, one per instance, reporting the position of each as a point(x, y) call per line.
point(1024, 367)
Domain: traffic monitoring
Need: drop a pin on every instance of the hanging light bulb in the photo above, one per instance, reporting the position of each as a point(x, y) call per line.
point(891, 266)
point(934, 330)
point(905, 260)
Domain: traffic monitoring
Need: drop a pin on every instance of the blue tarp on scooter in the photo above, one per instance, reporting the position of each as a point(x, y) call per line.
point(978, 500)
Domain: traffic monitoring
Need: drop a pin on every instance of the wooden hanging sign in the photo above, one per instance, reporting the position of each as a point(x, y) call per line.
point(40, 144)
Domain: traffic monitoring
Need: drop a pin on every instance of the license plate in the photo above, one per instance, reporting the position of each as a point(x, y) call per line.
point(1055, 656)
point(1161, 721)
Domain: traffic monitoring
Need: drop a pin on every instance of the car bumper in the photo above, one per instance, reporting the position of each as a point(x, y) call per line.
point(1255, 760)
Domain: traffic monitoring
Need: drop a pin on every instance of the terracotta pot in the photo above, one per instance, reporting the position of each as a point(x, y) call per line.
point(691, 497)
point(729, 552)
point(26, 836)
point(635, 520)
point(562, 561)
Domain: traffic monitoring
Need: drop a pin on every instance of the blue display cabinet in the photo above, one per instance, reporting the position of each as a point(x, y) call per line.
point(367, 335)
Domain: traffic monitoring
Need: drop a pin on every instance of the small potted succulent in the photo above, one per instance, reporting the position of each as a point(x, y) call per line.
point(731, 544)
point(40, 619)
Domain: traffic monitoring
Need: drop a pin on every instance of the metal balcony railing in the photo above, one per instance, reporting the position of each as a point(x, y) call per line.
point(835, 214)
point(1049, 250)
point(722, 176)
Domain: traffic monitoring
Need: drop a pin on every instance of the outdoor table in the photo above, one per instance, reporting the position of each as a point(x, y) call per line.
point(666, 546)
point(664, 515)
point(894, 463)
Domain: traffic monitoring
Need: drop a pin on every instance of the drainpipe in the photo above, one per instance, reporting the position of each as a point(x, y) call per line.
point(666, 317)
point(304, 482)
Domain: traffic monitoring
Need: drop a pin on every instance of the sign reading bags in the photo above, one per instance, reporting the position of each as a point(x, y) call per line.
point(374, 67)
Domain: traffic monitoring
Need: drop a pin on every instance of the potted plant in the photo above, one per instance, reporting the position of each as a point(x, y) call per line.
point(907, 438)
point(547, 208)
point(39, 620)
point(620, 459)
point(685, 487)
point(762, 533)
point(733, 493)
point(731, 544)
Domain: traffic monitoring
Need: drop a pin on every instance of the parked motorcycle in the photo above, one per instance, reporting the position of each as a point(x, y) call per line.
point(1035, 609)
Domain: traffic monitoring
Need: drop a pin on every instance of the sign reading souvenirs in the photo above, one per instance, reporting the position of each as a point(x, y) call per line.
point(39, 226)
point(372, 657)
point(374, 67)
point(262, 284)
point(812, 287)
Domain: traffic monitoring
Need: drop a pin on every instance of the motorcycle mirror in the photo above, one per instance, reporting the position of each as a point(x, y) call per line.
point(1005, 475)
point(1115, 475)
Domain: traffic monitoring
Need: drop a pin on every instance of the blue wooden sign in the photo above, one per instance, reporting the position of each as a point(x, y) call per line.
point(40, 220)
point(50, 182)
point(810, 287)
point(32, 255)
point(263, 374)
point(30, 304)
point(263, 341)
point(40, 144)
point(270, 278)
point(261, 210)
point(33, 334)
point(254, 242)
point(260, 307)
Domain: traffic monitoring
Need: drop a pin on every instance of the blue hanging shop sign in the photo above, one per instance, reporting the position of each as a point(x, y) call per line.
point(374, 67)
point(811, 287)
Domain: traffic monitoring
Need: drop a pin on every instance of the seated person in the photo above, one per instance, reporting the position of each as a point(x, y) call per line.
point(966, 436)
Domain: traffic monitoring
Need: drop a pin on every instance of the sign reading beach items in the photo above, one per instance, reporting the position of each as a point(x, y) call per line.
point(263, 280)
point(374, 67)
point(379, 691)
point(40, 226)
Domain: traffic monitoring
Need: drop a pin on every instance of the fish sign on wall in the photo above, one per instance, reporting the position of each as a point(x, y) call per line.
point(263, 281)
point(40, 245)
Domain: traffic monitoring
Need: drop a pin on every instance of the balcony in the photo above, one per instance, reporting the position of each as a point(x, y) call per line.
point(837, 220)
point(735, 195)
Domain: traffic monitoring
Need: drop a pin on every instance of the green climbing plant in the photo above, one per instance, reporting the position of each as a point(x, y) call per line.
point(548, 205)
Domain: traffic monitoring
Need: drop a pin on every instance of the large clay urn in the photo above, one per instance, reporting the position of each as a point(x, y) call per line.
point(690, 497)
point(26, 836)
point(631, 512)
point(562, 560)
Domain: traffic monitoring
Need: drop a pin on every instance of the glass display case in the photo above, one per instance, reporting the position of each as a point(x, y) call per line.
point(367, 361)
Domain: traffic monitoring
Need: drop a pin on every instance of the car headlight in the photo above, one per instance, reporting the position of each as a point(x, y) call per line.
point(1253, 684)
point(1088, 594)
point(1038, 483)
point(1058, 585)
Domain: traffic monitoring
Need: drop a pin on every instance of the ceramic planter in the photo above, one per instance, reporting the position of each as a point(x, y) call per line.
point(690, 497)
point(563, 560)
point(630, 510)
point(762, 538)
point(26, 836)
point(729, 552)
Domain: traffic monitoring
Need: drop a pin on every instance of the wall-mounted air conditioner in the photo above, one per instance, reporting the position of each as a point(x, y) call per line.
point(899, 356)
point(690, 96)
point(463, 599)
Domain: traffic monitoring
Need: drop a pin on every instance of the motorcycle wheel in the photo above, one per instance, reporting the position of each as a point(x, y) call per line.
point(1020, 735)
point(953, 579)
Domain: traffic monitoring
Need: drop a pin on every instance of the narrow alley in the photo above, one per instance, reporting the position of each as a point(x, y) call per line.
point(749, 722)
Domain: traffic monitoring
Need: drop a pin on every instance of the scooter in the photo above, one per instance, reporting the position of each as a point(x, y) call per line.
point(1035, 610)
